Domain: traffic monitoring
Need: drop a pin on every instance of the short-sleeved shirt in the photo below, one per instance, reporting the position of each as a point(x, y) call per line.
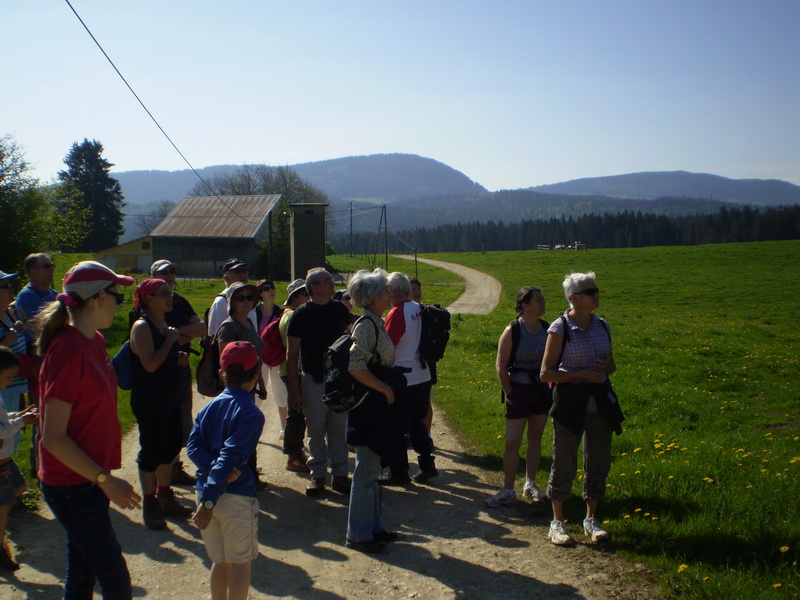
point(317, 326)
point(30, 300)
point(530, 352)
point(78, 371)
point(584, 346)
point(404, 325)
point(366, 348)
point(233, 331)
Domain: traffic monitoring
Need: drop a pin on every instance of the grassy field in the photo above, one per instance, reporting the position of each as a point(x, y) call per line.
point(704, 485)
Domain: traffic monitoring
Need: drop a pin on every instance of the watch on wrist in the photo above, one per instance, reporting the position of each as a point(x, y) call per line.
point(101, 478)
point(208, 505)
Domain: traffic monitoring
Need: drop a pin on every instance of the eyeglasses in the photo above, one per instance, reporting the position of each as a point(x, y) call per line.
point(246, 298)
point(165, 293)
point(120, 298)
point(167, 272)
point(589, 292)
point(265, 288)
point(240, 270)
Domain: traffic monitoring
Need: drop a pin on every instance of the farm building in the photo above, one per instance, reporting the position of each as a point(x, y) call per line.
point(135, 256)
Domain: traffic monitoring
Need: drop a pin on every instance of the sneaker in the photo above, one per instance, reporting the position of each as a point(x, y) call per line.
point(297, 464)
point(6, 562)
point(151, 512)
point(558, 533)
point(180, 476)
point(171, 507)
point(341, 484)
point(533, 491)
point(369, 546)
point(593, 531)
point(315, 487)
point(402, 479)
point(282, 434)
point(502, 498)
point(424, 475)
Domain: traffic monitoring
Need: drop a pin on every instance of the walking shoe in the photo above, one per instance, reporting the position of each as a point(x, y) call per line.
point(425, 474)
point(151, 511)
point(533, 491)
point(180, 476)
point(315, 487)
point(6, 562)
point(171, 507)
point(297, 464)
point(261, 484)
point(282, 434)
point(558, 533)
point(369, 546)
point(384, 536)
point(593, 531)
point(502, 498)
point(341, 484)
point(402, 479)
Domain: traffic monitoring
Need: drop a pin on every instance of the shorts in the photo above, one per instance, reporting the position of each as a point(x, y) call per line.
point(528, 399)
point(232, 534)
point(11, 480)
point(276, 388)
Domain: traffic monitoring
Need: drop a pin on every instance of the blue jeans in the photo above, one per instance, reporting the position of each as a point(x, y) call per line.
point(364, 512)
point(93, 552)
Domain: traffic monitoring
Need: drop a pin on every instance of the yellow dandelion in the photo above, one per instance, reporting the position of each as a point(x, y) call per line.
point(638, 510)
point(638, 473)
point(671, 477)
point(627, 517)
point(706, 578)
point(784, 549)
point(654, 519)
point(750, 486)
point(682, 568)
point(777, 586)
point(646, 514)
point(637, 449)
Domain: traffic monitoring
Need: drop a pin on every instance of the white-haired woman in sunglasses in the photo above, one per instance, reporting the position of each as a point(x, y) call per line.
point(577, 359)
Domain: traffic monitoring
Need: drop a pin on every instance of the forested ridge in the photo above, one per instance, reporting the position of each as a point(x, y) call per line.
point(623, 230)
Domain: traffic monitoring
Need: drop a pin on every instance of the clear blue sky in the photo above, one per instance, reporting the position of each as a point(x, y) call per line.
point(513, 94)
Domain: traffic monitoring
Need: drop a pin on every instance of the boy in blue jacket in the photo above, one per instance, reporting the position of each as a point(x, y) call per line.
point(225, 433)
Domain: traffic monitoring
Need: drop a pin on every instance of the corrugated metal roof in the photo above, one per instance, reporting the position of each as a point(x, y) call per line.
point(218, 217)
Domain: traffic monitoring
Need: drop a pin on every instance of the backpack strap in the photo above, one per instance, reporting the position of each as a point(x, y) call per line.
point(566, 336)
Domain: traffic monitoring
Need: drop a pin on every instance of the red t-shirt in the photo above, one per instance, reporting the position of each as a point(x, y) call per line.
point(78, 371)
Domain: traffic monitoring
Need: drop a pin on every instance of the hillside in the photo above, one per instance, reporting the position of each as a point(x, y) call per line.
point(651, 185)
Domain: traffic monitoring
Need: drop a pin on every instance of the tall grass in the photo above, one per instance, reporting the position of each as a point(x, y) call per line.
point(704, 485)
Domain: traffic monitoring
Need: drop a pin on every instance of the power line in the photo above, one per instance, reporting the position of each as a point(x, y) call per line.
point(149, 114)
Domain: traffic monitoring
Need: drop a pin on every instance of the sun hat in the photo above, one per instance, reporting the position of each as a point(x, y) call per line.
point(239, 353)
point(144, 289)
point(265, 283)
point(294, 287)
point(87, 278)
point(232, 263)
point(160, 265)
point(4, 275)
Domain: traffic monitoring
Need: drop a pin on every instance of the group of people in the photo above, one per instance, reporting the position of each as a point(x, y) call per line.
point(559, 369)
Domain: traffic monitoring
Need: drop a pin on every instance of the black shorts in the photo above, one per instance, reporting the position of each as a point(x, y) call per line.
point(528, 399)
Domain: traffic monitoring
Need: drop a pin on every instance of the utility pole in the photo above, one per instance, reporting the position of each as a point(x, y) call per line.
point(385, 239)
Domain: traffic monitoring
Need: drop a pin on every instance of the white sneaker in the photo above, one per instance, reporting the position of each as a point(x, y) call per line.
point(533, 491)
point(593, 531)
point(283, 432)
point(502, 498)
point(558, 533)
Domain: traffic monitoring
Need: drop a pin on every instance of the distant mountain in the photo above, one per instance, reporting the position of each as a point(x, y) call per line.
point(676, 184)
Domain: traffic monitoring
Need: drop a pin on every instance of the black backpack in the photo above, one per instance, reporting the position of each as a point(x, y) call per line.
point(341, 392)
point(435, 332)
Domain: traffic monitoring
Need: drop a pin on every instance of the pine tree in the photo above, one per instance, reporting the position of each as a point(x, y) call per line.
point(88, 173)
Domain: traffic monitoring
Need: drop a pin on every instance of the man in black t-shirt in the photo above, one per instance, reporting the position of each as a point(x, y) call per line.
point(315, 326)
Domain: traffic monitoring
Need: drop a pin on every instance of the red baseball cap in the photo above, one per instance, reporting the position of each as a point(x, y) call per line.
point(239, 353)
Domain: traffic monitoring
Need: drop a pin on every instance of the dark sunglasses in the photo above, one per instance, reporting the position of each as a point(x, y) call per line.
point(246, 298)
point(242, 269)
point(589, 292)
point(47, 266)
point(266, 287)
point(5, 287)
point(168, 272)
point(120, 298)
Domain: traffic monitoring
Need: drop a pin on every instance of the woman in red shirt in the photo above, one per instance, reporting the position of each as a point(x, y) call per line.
point(81, 441)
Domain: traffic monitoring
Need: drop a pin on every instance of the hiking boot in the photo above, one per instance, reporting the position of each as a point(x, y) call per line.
point(385, 535)
point(6, 562)
point(502, 498)
point(341, 484)
point(593, 531)
point(369, 546)
point(180, 476)
point(261, 484)
point(533, 491)
point(425, 474)
point(171, 507)
point(297, 464)
point(315, 487)
point(558, 533)
point(151, 511)
point(402, 479)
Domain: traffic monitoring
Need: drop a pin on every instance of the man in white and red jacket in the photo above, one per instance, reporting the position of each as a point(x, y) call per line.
point(404, 325)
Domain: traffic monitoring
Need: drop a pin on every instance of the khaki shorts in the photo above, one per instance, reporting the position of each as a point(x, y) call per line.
point(232, 534)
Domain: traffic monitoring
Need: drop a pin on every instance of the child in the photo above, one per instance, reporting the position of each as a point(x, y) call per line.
point(12, 483)
point(225, 433)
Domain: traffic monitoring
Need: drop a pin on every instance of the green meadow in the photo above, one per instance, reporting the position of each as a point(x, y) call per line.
point(704, 486)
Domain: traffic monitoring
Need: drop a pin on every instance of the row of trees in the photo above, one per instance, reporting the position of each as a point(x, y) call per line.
point(80, 212)
point(623, 230)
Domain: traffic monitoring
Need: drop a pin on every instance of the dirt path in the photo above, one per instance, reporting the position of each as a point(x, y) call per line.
point(452, 547)
point(481, 293)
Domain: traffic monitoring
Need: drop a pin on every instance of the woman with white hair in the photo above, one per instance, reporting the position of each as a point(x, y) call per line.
point(369, 426)
point(578, 359)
